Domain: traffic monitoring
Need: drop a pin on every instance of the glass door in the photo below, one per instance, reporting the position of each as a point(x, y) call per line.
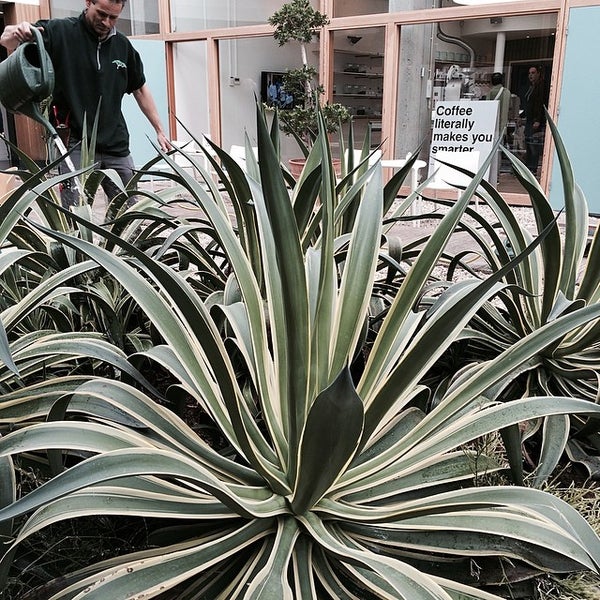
point(358, 79)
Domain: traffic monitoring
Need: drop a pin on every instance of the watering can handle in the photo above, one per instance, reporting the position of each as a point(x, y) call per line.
point(39, 40)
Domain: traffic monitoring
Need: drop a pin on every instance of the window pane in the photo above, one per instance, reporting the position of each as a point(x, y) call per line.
point(452, 64)
point(191, 87)
point(242, 66)
point(247, 68)
point(350, 8)
point(63, 8)
point(197, 15)
point(142, 16)
point(139, 17)
point(358, 78)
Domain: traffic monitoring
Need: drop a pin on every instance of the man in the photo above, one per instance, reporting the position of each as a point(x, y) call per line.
point(93, 64)
point(535, 119)
point(502, 95)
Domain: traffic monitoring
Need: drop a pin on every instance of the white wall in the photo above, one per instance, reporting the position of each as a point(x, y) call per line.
point(140, 130)
point(191, 89)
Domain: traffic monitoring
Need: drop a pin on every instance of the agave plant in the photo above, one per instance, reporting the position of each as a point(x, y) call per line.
point(560, 279)
point(333, 485)
point(95, 302)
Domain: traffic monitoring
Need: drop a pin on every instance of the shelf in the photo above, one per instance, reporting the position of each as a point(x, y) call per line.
point(358, 54)
point(360, 96)
point(360, 75)
point(478, 65)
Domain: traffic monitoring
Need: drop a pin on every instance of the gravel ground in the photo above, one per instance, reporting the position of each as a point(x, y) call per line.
point(423, 228)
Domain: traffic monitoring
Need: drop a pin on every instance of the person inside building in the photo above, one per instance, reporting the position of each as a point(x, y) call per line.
point(535, 118)
point(502, 95)
point(95, 66)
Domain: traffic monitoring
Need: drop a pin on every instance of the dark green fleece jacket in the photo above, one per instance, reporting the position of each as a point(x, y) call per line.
point(87, 71)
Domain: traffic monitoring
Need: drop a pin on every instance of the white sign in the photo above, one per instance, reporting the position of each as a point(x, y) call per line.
point(463, 133)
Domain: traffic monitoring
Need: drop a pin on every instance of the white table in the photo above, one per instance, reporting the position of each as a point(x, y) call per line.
point(398, 163)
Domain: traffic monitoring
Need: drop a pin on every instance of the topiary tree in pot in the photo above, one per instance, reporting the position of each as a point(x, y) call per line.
point(297, 21)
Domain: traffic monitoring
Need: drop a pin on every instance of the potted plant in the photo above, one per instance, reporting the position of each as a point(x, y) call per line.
point(297, 21)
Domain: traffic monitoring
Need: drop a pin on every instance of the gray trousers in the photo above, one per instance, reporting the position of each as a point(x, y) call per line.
point(123, 165)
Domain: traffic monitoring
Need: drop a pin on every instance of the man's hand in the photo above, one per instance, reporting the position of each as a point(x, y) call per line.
point(13, 35)
point(163, 142)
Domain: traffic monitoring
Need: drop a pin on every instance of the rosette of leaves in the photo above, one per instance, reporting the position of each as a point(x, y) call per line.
point(328, 485)
point(49, 287)
point(559, 280)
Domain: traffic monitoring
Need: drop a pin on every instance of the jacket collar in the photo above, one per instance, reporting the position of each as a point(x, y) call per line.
point(91, 32)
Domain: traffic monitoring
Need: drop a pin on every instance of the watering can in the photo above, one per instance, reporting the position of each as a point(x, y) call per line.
point(27, 78)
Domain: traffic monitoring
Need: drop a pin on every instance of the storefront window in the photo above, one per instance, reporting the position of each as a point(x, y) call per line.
point(139, 17)
point(446, 68)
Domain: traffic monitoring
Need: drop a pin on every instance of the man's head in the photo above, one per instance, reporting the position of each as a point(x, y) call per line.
point(102, 15)
point(497, 78)
point(534, 74)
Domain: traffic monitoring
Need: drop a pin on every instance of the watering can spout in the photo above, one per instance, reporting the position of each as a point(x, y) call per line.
point(26, 79)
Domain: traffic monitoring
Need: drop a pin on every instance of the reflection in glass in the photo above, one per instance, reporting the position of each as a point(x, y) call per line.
point(139, 17)
point(453, 62)
point(198, 15)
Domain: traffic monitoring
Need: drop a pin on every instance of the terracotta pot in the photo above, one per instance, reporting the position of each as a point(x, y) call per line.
point(297, 164)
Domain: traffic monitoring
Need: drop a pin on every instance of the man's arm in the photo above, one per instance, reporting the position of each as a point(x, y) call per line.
point(13, 35)
point(145, 101)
